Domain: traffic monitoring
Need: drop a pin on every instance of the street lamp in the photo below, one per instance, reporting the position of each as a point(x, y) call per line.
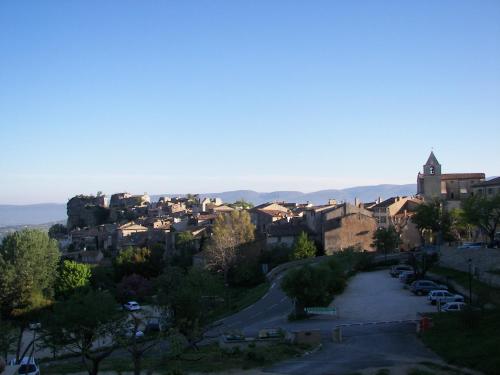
point(470, 280)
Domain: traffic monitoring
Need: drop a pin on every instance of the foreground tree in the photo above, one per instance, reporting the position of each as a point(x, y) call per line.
point(304, 247)
point(484, 213)
point(28, 264)
point(308, 286)
point(230, 231)
point(141, 261)
point(386, 240)
point(8, 338)
point(87, 319)
point(72, 277)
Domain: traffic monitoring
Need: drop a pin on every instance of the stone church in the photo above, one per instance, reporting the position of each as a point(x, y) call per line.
point(450, 187)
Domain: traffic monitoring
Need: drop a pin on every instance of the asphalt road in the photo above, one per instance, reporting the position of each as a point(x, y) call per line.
point(371, 297)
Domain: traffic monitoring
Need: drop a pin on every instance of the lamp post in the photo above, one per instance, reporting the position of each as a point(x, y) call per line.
point(470, 280)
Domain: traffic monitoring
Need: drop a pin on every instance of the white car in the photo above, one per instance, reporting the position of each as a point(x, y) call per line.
point(453, 306)
point(27, 366)
point(132, 306)
point(443, 296)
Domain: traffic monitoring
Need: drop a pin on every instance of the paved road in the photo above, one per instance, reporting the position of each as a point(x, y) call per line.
point(369, 297)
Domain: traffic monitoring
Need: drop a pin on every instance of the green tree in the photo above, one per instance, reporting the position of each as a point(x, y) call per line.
point(141, 261)
point(304, 247)
point(8, 338)
point(28, 264)
point(57, 230)
point(241, 203)
point(308, 286)
point(484, 213)
point(433, 221)
point(229, 232)
point(86, 318)
point(71, 277)
point(386, 240)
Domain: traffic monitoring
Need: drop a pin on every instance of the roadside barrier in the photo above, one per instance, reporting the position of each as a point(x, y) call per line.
point(422, 325)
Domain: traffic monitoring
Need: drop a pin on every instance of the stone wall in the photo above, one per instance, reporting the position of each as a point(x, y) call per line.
point(483, 260)
point(352, 230)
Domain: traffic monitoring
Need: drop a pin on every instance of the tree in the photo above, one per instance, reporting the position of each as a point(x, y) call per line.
point(303, 248)
point(386, 240)
point(430, 218)
point(57, 230)
point(86, 319)
point(308, 286)
point(28, 260)
point(135, 345)
point(241, 203)
point(133, 287)
point(484, 213)
point(229, 232)
point(8, 338)
point(72, 276)
point(141, 261)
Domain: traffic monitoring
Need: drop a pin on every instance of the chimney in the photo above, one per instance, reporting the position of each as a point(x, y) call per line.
point(356, 202)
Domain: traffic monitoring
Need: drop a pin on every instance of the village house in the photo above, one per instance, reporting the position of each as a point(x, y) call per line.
point(267, 213)
point(339, 226)
point(385, 211)
point(488, 188)
point(284, 233)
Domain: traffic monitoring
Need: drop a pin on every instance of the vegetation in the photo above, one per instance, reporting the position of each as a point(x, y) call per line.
point(471, 345)
point(86, 317)
point(229, 233)
point(315, 285)
point(484, 213)
point(433, 222)
point(71, 277)
point(484, 292)
point(241, 204)
point(140, 261)
point(303, 248)
point(386, 240)
point(57, 230)
point(207, 359)
point(28, 260)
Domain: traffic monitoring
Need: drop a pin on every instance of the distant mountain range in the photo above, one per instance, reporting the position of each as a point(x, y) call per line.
point(364, 193)
point(36, 214)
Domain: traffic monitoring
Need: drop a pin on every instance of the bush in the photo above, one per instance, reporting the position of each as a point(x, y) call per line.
point(247, 273)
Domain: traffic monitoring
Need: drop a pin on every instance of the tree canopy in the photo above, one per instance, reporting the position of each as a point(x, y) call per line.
point(484, 213)
point(28, 260)
point(230, 231)
point(303, 247)
point(71, 277)
point(386, 240)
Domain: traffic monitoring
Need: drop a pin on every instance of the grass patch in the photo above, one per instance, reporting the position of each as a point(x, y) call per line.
point(208, 359)
point(237, 299)
point(484, 291)
point(465, 340)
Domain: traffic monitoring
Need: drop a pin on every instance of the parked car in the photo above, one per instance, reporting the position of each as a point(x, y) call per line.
point(443, 296)
point(132, 306)
point(471, 245)
point(453, 306)
point(407, 277)
point(421, 287)
point(27, 366)
point(396, 270)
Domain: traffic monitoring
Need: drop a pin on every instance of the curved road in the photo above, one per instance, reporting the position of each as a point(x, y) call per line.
point(369, 297)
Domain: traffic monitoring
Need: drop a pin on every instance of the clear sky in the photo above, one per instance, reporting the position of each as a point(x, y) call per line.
point(201, 96)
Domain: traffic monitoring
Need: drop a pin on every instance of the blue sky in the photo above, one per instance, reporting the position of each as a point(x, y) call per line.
point(199, 96)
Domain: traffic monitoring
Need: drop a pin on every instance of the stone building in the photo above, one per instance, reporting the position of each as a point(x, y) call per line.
point(339, 226)
point(450, 187)
point(488, 188)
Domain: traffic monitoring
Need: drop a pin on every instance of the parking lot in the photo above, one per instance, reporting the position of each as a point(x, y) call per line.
point(376, 296)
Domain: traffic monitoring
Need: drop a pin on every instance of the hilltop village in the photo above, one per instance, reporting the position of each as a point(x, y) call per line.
point(99, 227)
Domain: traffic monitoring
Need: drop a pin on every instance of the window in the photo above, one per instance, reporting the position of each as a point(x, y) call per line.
point(432, 170)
